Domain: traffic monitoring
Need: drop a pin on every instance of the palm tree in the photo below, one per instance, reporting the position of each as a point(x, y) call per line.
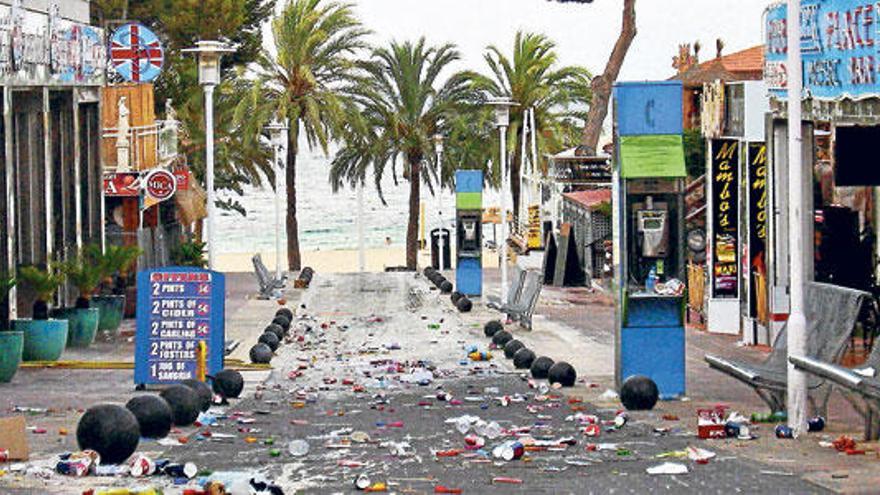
point(533, 80)
point(304, 81)
point(401, 105)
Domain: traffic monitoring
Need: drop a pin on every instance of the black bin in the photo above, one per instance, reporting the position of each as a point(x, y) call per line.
point(435, 249)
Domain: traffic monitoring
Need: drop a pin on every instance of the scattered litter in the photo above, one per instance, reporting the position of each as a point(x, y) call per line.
point(668, 468)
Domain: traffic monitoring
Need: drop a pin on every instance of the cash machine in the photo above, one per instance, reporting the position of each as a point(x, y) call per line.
point(649, 234)
point(469, 232)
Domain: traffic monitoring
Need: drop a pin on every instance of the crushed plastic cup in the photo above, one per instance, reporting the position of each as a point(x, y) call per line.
point(298, 448)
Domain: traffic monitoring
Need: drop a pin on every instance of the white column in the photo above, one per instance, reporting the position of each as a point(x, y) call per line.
point(279, 172)
point(797, 323)
point(439, 193)
point(209, 171)
point(505, 190)
point(362, 258)
point(11, 237)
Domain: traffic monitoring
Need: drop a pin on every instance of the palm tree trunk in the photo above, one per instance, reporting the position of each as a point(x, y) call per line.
point(412, 226)
point(294, 259)
point(602, 85)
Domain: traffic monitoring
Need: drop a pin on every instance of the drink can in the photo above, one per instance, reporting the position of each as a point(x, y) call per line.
point(176, 470)
point(512, 451)
point(141, 466)
point(4, 455)
point(592, 430)
point(783, 431)
point(744, 432)
point(362, 482)
point(732, 430)
point(620, 420)
point(77, 468)
point(474, 441)
point(816, 424)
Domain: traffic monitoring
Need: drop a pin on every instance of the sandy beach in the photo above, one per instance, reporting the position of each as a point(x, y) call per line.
point(339, 261)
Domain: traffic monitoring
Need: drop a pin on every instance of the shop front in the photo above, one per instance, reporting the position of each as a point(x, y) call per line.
point(51, 70)
point(841, 112)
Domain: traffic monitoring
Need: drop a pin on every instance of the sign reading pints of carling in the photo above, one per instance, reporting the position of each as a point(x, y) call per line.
point(725, 217)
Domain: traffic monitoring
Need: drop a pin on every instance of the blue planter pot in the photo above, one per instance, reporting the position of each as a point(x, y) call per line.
point(11, 344)
point(44, 340)
point(82, 325)
point(111, 310)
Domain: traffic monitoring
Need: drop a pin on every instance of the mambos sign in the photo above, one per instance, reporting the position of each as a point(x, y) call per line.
point(840, 43)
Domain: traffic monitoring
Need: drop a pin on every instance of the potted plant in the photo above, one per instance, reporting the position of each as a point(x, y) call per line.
point(115, 264)
point(44, 338)
point(85, 274)
point(11, 341)
point(189, 253)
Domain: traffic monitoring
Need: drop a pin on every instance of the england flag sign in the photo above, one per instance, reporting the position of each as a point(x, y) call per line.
point(136, 53)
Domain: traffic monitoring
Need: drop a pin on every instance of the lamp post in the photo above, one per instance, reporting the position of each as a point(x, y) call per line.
point(278, 135)
point(438, 148)
point(502, 122)
point(209, 53)
point(797, 322)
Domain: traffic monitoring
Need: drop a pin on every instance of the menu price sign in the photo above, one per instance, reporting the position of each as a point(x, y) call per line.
point(178, 307)
point(725, 218)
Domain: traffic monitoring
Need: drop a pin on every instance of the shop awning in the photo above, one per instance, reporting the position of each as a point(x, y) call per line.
point(652, 156)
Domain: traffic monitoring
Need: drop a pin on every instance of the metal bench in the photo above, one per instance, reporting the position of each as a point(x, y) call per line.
point(513, 292)
point(524, 308)
point(269, 286)
point(861, 389)
point(831, 314)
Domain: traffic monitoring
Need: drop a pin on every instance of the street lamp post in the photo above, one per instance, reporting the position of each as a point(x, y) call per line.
point(438, 148)
point(209, 53)
point(797, 322)
point(502, 122)
point(278, 134)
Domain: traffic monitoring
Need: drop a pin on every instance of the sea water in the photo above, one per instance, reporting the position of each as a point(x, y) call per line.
point(328, 221)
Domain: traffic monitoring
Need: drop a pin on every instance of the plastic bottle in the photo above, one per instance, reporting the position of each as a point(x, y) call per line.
point(651, 282)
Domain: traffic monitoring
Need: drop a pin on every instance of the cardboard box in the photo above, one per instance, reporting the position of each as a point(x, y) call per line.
point(13, 438)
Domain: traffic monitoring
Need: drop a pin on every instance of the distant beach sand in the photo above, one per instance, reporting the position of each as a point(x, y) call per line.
point(341, 261)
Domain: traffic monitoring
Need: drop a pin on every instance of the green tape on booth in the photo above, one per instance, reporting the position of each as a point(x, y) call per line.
point(645, 157)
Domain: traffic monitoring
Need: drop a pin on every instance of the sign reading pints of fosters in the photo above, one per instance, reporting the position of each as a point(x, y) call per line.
point(178, 309)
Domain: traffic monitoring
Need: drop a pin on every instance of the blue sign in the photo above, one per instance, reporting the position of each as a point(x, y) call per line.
point(840, 46)
point(648, 108)
point(468, 181)
point(136, 53)
point(178, 307)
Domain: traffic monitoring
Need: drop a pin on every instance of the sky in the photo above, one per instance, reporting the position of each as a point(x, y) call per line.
point(584, 33)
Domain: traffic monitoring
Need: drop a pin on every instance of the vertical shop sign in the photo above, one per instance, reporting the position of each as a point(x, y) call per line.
point(757, 219)
point(725, 217)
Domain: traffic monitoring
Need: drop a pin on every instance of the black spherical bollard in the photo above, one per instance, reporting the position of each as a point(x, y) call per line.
point(639, 393)
point(541, 367)
point(523, 359)
point(261, 354)
point(562, 373)
point(153, 415)
point(184, 403)
point(277, 330)
point(285, 312)
point(446, 287)
point(493, 327)
point(464, 305)
point(512, 347)
point(282, 321)
point(455, 297)
point(429, 270)
point(203, 391)
point(228, 383)
point(500, 339)
point(270, 339)
point(110, 430)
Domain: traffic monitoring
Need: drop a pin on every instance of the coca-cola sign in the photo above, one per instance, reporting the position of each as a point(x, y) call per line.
point(160, 185)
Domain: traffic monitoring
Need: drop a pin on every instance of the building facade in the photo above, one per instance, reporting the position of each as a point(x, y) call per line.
point(52, 67)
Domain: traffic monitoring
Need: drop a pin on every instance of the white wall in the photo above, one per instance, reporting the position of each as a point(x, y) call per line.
point(75, 10)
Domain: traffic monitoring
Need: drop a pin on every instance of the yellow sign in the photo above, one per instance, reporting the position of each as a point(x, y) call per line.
point(534, 237)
